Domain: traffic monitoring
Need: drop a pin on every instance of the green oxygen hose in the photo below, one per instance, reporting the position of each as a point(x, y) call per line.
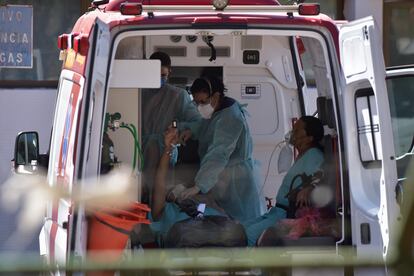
point(138, 147)
point(134, 130)
point(131, 128)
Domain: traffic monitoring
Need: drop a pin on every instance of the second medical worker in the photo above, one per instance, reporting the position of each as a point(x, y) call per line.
point(160, 107)
point(225, 149)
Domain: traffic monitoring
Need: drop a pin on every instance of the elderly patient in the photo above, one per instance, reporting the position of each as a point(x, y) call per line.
point(306, 136)
point(164, 209)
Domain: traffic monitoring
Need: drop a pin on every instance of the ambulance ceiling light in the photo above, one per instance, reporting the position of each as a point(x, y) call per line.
point(175, 38)
point(131, 8)
point(191, 38)
point(309, 9)
point(220, 4)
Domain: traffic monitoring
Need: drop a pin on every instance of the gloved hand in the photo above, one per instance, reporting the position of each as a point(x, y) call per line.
point(190, 192)
point(189, 206)
point(185, 135)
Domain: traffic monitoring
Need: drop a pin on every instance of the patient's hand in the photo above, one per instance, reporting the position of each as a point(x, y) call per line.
point(303, 199)
point(170, 137)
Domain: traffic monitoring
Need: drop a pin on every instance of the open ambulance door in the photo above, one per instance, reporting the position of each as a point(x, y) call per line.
point(400, 86)
point(91, 130)
point(105, 73)
point(53, 235)
point(368, 139)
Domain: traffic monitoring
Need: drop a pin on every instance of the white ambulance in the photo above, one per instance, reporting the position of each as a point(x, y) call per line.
point(282, 61)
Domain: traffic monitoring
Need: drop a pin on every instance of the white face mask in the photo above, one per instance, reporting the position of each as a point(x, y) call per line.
point(206, 110)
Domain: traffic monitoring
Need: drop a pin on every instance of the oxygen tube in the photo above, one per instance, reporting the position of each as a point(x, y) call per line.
point(137, 148)
point(112, 122)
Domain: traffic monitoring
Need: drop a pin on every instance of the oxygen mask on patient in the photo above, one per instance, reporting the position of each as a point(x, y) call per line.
point(289, 137)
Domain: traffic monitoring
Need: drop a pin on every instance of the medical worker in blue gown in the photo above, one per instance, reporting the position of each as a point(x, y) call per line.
point(306, 136)
point(225, 148)
point(164, 211)
point(159, 108)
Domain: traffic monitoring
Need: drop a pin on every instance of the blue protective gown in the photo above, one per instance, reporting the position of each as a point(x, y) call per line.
point(227, 169)
point(310, 162)
point(171, 215)
point(160, 107)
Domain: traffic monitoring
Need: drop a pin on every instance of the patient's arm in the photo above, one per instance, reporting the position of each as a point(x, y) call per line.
point(158, 191)
point(303, 198)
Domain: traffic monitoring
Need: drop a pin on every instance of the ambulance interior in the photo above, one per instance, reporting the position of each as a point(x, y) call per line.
point(279, 76)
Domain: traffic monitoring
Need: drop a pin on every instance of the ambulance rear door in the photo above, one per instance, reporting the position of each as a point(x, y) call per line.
point(368, 136)
point(92, 121)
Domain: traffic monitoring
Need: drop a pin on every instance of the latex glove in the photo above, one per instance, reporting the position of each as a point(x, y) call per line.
point(190, 192)
point(185, 135)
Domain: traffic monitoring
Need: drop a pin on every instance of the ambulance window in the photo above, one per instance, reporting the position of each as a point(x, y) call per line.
point(368, 126)
point(314, 72)
point(127, 48)
point(401, 99)
point(398, 32)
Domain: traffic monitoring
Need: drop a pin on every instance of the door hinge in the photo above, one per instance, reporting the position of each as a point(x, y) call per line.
point(365, 32)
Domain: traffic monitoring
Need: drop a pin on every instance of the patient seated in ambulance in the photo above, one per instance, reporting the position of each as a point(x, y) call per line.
point(307, 133)
point(168, 208)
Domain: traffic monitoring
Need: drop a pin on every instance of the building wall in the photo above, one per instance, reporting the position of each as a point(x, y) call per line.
point(21, 110)
point(355, 9)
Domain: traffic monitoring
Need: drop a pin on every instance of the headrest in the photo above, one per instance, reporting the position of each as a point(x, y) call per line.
point(330, 119)
point(326, 111)
point(321, 107)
